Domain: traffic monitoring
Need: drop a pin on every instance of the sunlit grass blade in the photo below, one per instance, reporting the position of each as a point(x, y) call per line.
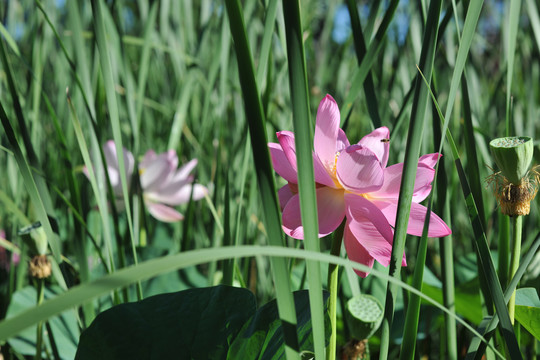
point(151, 268)
point(412, 152)
point(304, 158)
point(265, 176)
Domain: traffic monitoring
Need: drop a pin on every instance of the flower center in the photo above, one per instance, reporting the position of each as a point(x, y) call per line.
point(333, 170)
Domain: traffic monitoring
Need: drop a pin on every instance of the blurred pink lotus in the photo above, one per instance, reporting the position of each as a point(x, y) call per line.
point(6, 261)
point(353, 181)
point(163, 185)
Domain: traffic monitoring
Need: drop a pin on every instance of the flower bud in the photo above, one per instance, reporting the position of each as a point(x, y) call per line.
point(513, 156)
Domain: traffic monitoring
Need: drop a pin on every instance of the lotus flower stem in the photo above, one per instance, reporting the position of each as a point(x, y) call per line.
point(333, 280)
point(517, 222)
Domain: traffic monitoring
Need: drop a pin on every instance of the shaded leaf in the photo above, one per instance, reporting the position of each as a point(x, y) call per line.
point(190, 324)
point(262, 336)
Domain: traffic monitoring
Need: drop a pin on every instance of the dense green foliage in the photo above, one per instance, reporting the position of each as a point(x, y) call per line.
point(165, 75)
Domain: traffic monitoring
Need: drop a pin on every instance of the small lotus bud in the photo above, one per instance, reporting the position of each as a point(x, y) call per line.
point(513, 156)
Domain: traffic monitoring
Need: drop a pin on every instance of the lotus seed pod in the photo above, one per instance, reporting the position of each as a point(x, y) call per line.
point(365, 314)
point(513, 156)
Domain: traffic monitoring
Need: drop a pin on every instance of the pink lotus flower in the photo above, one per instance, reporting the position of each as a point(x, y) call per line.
point(353, 181)
point(162, 183)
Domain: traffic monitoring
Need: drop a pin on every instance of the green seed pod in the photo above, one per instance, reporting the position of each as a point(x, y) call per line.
point(365, 314)
point(513, 156)
point(35, 237)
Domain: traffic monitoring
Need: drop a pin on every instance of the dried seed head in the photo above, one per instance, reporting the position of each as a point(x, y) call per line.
point(515, 199)
point(40, 267)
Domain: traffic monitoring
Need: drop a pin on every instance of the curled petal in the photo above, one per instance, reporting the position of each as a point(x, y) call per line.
point(330, 213)
point(342, 141)
point(185, 170)
point(375, 141)
point(437, 227)
point(359, 170)
point(370, 227)
point(163, 212)
point(286, 140)
point(429, 160)
point(392, 183)
point(326, 131)
point(281, 163)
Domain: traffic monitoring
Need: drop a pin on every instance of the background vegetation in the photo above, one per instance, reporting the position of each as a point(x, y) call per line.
point(164, 75)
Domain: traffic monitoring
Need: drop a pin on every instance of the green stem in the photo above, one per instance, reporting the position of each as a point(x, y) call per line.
point(333, 281)
point(514, 262)
point(39, 335)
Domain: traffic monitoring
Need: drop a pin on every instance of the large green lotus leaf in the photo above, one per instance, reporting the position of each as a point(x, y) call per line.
point(262, 336)
point(190, 324)
point(528, 310)
point(64, 328)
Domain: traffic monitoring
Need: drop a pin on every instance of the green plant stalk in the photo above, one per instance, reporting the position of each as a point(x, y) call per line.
point(482, 247)
point(40, 283)
point(412, 317)
point(517, 224)
point(412, 151)
point(306, 183)
point(333, 281)
point(488, 325)
point(265, 176)
point(504, 249)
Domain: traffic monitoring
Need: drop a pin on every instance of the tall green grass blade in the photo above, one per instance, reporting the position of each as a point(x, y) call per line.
point(446, 246)
point(107, 72)
point(98, 190)
point(151, 268)
point(75, 21)
point(268, 34)
point(482, 247)
point(513, 22)
point(532, 13)
point(489, 324)
point(33, 192)
point(306, 184)
point(265, 176)
point(472, 167)
point(471, 21)
point(360, 47)
point(144, 68)
point(369, 59)
point(9, 39)
point(412, 152)
point(412, 317)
